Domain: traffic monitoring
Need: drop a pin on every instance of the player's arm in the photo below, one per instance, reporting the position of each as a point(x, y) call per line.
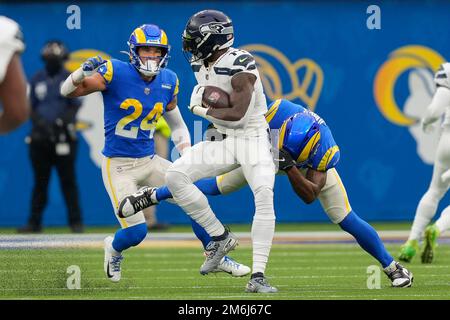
point(240, 98)
point(85, 80)
point(307, 187)
point(441, 98)
point(180, 133)
point(13, 96)
point(440, 101)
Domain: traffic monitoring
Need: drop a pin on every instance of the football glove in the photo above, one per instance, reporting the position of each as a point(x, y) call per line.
point(285, 161)
point(91, 65)
point(195, 106)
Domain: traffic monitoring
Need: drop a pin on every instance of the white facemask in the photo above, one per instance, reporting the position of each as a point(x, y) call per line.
point(149, 68)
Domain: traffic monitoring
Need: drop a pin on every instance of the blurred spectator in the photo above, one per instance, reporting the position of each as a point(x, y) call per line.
point(53, 139)
point(161, 137)
point(13, 86)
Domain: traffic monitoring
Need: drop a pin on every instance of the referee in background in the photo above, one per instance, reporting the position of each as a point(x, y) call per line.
point(53, 139)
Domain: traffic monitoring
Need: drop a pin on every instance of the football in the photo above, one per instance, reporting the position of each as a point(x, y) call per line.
point(214, 97)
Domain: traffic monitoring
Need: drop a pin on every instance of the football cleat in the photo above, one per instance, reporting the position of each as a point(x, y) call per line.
point(112, 262)
point(400, 276)
point(259, 285)
point(138, 201)
point(232, 267)
point(408, 250)
point(431, 235)
point(216, 250)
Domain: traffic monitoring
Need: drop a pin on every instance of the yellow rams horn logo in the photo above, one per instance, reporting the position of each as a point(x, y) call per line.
point(400, 61)
point(307, 88)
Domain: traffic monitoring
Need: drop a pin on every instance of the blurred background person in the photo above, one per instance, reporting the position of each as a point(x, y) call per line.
point(161, 137)
point(13, 86)
point(53, 139)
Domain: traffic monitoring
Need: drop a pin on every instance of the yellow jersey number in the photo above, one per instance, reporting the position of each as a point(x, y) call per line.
point(148, 123)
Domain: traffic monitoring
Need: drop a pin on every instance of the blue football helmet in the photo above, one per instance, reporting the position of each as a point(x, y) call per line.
point(299, 135)
point(148, 35)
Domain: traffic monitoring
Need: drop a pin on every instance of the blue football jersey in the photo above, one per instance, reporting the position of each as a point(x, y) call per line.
point(325, 154)
point(132, 107)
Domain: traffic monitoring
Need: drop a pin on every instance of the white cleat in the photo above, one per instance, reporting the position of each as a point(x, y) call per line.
point(232, 267)
point(112, 262)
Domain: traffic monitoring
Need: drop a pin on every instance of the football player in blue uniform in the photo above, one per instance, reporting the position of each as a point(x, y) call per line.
point(308, 155)
point(135, 95)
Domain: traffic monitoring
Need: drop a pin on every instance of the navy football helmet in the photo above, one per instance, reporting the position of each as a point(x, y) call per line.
point(206, 32)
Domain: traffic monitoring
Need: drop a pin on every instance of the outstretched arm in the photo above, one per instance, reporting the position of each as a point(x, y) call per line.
point(85, 80)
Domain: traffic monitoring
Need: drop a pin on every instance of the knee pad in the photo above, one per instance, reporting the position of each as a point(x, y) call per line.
point(264, 203)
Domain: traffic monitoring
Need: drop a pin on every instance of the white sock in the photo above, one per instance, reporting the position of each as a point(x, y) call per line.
point(193, 202)
point(425, 212)
point(443, 223)
point(263, 229)
point(390, 268)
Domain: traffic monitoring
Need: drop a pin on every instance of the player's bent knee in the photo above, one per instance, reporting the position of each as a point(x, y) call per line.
point(264, 203)
point(264, 193)
point(176, 180)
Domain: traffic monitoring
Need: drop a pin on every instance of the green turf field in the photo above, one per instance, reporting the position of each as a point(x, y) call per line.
point(299, 271)
point(325, 226)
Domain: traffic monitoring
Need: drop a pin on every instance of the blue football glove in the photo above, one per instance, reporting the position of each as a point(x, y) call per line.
point(91, 65)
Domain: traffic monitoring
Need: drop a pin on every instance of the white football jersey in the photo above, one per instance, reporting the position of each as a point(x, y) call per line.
point(220, 73)
point(10, 43)
point(442, 79)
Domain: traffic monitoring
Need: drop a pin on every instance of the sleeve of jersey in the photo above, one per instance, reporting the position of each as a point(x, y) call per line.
point(176, 87)
point(10, 42)
point(107, 71)
point(327, 160)
point(442, 77)
point(244, 63)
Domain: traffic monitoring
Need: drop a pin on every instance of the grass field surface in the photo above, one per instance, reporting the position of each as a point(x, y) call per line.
point(300, 271)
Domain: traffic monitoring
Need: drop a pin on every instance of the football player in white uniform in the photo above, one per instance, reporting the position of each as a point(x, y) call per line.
point(440, 181)
point(13, 85)
point(208, 38)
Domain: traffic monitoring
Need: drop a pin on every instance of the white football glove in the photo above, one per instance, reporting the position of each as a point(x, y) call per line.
point(428, 124)
point(195, 105)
